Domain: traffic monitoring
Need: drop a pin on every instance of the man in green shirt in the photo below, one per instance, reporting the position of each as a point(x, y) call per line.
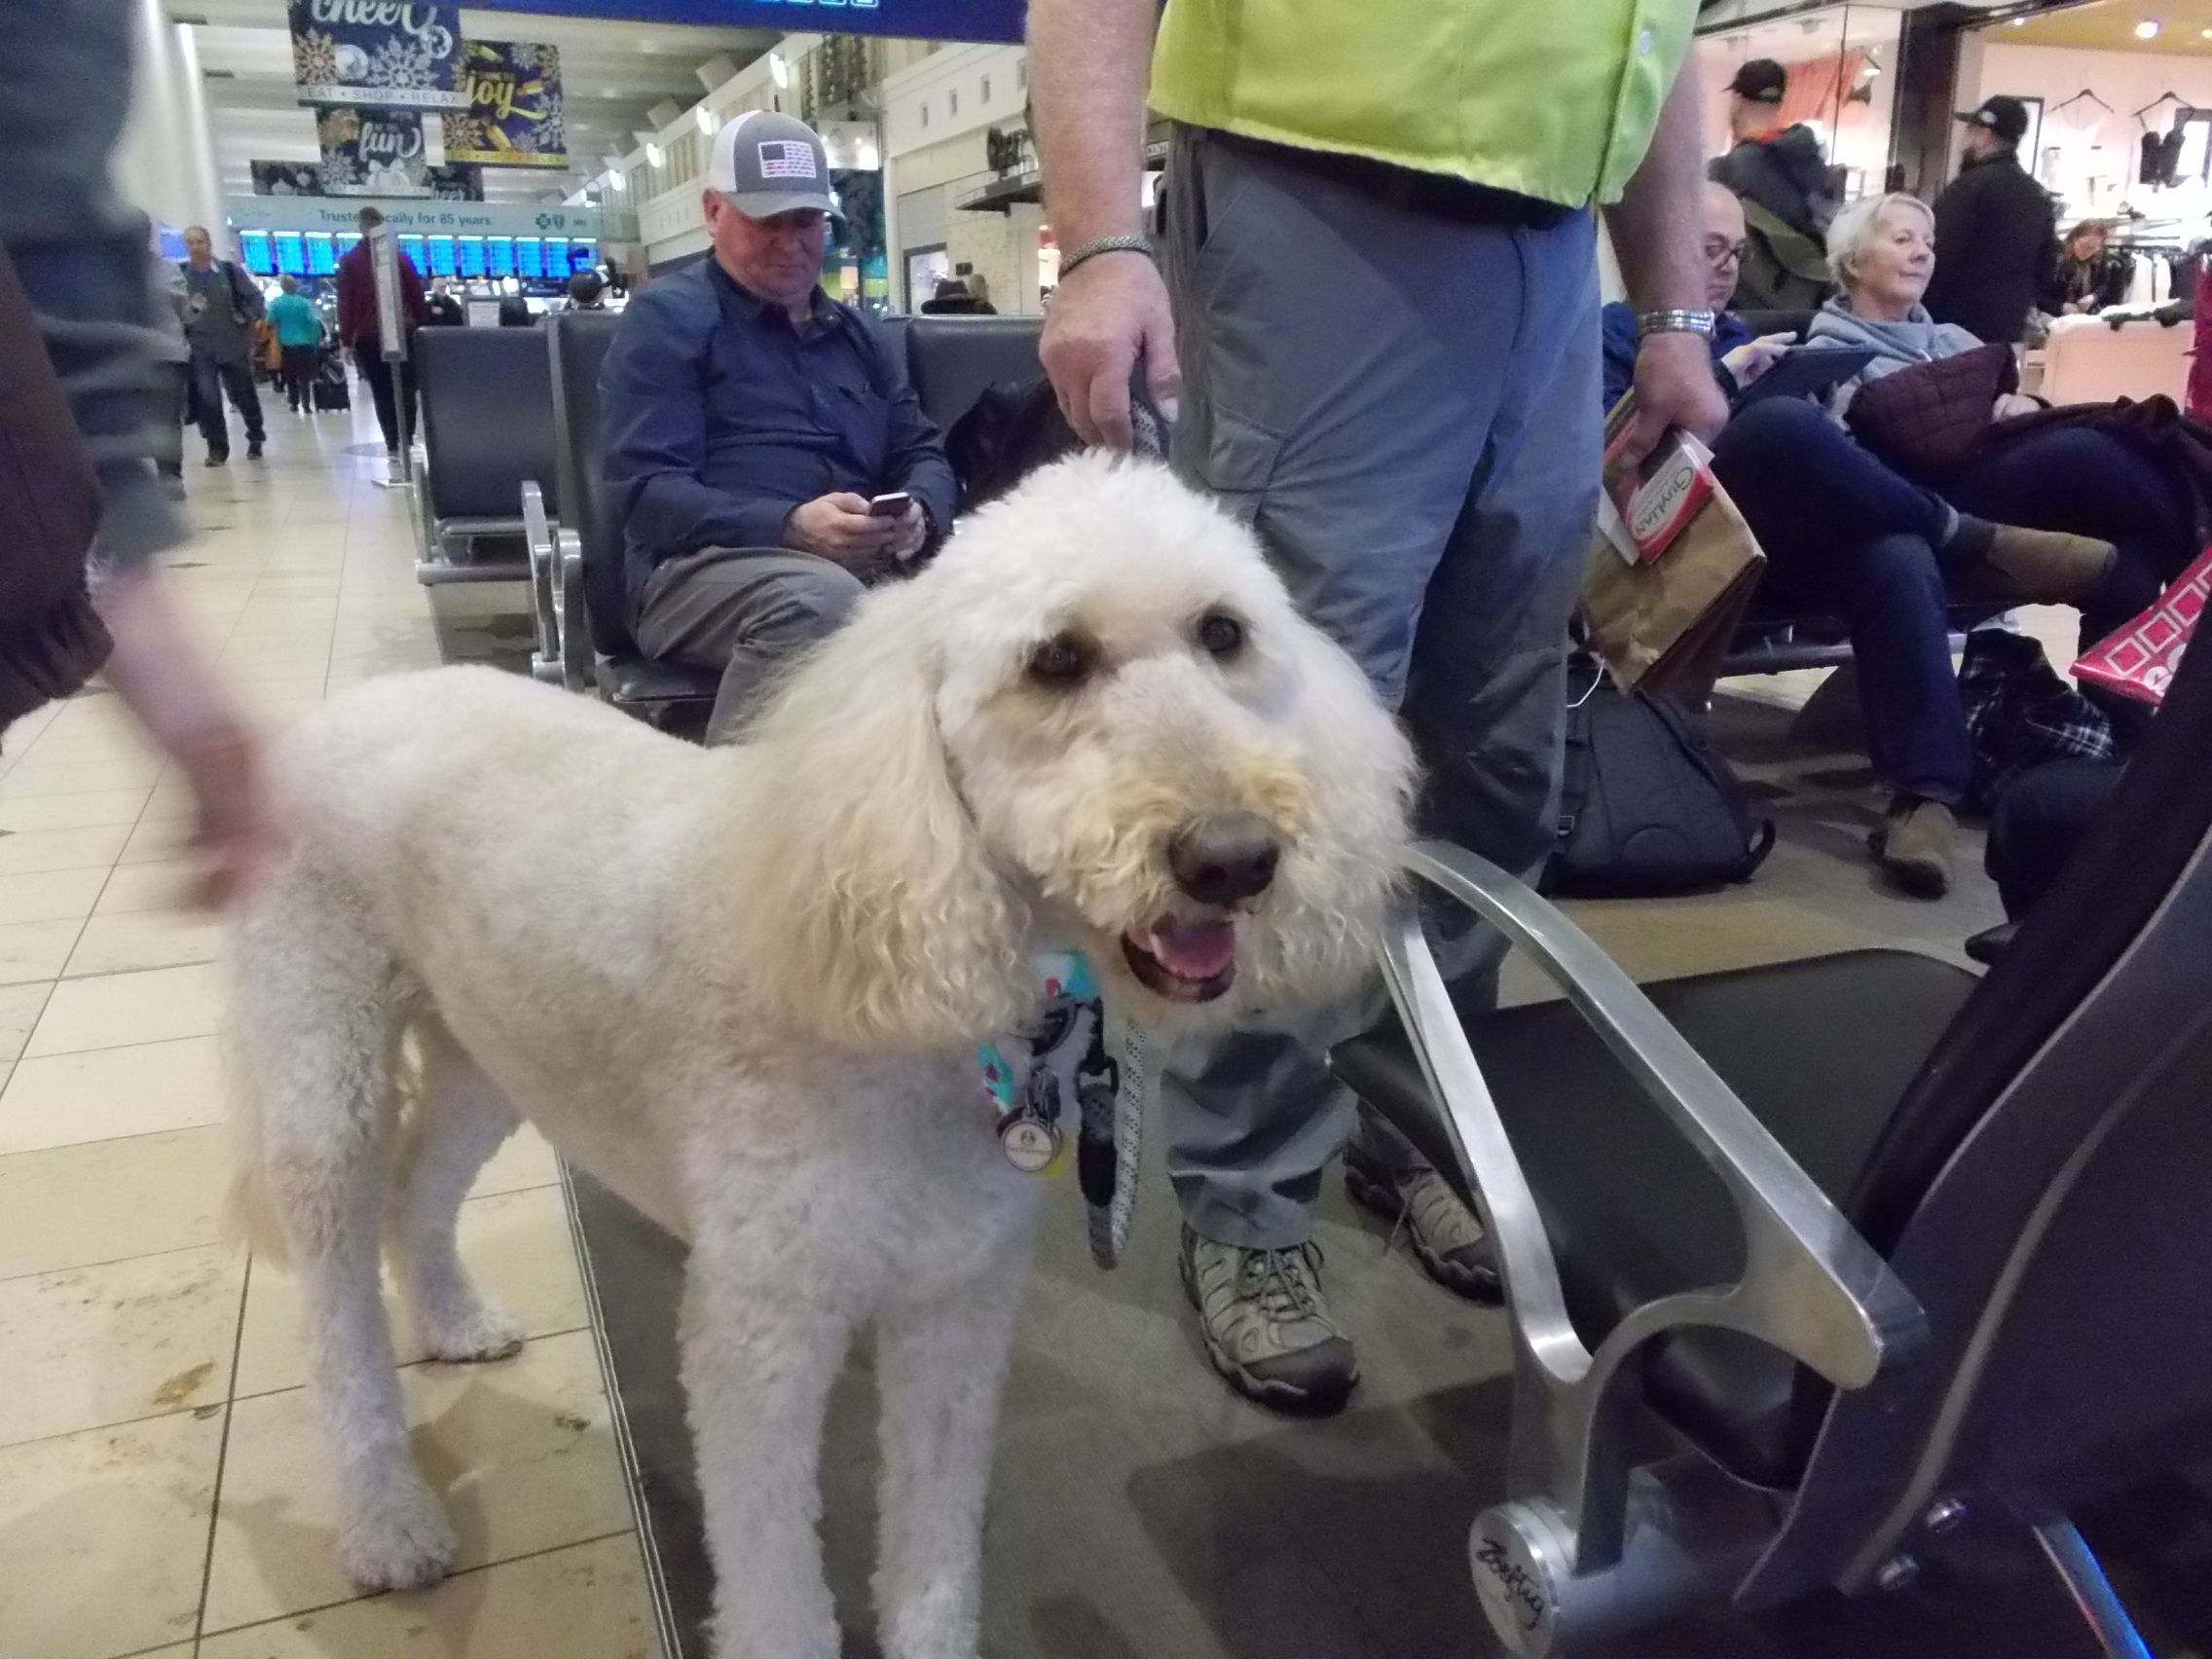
point(299, 331)
point(1380, 320)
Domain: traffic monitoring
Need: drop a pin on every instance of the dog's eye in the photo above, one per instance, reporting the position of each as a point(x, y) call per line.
point(1060, 662)
point(1220, 634)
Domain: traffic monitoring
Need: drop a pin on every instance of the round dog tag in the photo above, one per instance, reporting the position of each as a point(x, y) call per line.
point(1030, 1145)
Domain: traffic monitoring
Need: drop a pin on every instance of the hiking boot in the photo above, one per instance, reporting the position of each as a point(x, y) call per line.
point(1266, 1330)
point(1447, 1238)
point(2015, 566)
point(1913, 845)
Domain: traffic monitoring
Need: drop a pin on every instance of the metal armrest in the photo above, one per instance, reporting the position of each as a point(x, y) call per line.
point(538, 539)
point(1810, 1285)
point(578, 653)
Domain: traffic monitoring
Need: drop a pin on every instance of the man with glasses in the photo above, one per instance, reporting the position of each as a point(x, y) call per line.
point(750, 421)
point(1738, 359)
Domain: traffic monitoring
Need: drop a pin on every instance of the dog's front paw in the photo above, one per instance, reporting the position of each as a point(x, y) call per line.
point(470, 1335)
point(395, 1536)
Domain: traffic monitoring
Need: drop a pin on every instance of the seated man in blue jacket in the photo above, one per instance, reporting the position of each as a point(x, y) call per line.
point(749, 420)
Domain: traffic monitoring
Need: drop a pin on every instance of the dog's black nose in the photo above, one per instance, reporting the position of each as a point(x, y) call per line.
point(1218, 860)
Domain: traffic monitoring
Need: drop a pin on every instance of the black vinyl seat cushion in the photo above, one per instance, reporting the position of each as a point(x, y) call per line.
point(1822, 1051)
point(488, 423)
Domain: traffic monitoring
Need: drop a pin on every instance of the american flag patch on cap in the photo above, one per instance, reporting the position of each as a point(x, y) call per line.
point(787, 158)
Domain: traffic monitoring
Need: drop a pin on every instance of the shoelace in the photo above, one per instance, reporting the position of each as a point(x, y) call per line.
point(1284, 1289)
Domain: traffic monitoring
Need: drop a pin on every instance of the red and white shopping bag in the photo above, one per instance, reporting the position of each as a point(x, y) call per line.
point(2140, 660)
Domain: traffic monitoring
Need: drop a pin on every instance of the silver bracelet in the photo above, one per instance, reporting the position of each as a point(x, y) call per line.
point(1106, 244)
point(1675, 322)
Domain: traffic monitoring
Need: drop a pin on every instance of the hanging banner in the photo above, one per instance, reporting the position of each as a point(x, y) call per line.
point(376, 54)
point(452, 183)
point(515, 118)
point(373, 152)
point(286, 178)
point(916, 20)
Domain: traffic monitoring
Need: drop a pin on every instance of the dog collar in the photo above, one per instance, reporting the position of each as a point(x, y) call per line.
point(1080, 1068)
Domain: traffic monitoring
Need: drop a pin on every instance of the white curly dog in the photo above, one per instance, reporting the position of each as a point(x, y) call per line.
point(742, 989)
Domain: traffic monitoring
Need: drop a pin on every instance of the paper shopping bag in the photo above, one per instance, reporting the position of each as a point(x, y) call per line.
point(1661, 617)
point(2141, 659)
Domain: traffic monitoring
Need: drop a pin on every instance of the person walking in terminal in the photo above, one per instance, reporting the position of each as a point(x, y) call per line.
point(766, 454)
point(1998, 229)
point(359, 332)
point(1375, 315)
point(299, 332)
point(81, 255)
point(221, 305)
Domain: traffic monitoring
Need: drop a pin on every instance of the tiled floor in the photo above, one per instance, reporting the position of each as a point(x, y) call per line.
point(162, 1488)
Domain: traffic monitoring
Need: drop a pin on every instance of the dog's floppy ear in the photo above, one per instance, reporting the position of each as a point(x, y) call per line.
point(872, 905)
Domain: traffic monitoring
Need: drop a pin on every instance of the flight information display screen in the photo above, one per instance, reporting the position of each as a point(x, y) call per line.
point(499, 255)
point(471, 255)
point(291, 254)
point(322, 257)
point(412, 246)
point(260, 258)
point(530, 257)
point(442, 262)
point(582, 255)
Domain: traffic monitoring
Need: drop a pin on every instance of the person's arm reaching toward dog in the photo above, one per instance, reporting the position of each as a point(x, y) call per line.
point(1088, 60)
point(1654, 231)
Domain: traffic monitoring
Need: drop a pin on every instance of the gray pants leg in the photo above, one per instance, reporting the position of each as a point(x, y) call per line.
point(745, 612)
point(1406, 408)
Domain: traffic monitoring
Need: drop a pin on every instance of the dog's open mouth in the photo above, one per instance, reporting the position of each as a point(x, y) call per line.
point(1184, 961)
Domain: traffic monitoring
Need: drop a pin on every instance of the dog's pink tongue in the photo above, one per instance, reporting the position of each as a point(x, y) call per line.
point(1195, 950)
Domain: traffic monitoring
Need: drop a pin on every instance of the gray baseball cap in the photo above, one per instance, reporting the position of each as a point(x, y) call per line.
point(766, 164)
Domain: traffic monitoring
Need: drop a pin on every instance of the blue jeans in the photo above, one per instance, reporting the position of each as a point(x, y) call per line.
point(211, 377)
point(1846, 535)
point(1405, 409)
point(2093, 484)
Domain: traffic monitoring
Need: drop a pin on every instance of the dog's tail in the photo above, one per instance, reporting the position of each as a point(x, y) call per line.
point(251, 1215)
point(249, 1218)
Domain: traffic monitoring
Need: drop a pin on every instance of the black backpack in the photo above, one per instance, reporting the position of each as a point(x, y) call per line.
point(1648, 808)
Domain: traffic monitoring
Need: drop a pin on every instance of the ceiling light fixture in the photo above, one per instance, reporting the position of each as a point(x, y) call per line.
point(653, 155)
point(617, 182)
point(2147, 29)
point(779, 69)
point(705, 117)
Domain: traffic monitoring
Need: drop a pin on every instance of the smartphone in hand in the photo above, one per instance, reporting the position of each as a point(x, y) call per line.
point(892, 505)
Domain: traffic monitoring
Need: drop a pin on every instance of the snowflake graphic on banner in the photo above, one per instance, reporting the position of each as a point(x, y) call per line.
point(465, 133)
point(314, 58)
point(549, 132)
point(401, 64)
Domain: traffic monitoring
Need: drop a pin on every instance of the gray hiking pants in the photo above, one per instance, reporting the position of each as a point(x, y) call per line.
point(1405, 406)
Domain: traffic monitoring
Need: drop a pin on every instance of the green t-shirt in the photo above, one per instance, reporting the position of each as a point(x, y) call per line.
point(1556, 99)
point(294, 318)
